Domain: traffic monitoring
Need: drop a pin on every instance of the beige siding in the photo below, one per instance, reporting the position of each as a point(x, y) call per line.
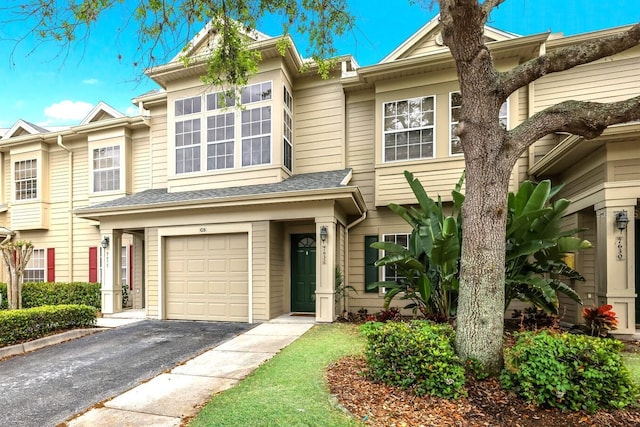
point(141, 166)
point(361, 149)
point(276, 270)
point(604, 81)
point(625, 170)
point(158, 147)
point(260, 265)
point(580, 181)
point(438, 178)
point(151, 285)
point(319, 124)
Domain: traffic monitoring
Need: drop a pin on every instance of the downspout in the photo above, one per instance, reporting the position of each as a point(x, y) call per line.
point(70, 198)
point(345, 274)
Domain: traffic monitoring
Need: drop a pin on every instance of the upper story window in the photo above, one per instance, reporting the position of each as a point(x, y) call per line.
point(225, 133)
point(188, 106)
point(455, 103)
point(26, 179)
point(36, 267)
point(106, 169)
point(287, 131)
point(409, 127)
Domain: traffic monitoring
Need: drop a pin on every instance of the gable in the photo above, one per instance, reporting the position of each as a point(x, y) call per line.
point(428, 39)
point(102, 111)
point(23, 127)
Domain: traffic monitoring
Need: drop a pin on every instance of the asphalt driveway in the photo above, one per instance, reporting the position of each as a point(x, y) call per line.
point(47, 386)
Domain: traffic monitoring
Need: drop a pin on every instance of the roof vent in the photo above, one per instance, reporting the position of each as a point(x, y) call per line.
point(439, 40)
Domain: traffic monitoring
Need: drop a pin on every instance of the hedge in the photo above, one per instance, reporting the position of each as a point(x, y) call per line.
point(31, 323)
point(36, 294)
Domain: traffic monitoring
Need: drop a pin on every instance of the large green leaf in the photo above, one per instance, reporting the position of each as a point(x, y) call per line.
point(538, 198)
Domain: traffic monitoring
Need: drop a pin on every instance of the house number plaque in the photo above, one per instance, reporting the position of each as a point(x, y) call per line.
point(619, 248)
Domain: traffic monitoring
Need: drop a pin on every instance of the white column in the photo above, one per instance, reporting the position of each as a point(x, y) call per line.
point(325, 269)
point(615, 262)
point(111, 280)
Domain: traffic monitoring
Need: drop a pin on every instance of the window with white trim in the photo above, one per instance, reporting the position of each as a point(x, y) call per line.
point(124, 265)
point(256, 136)
point(409, 129)
point(212, 139)
point(36, 268)
point(188, 146)
point(389, 272)
point(26, 179)
point(287, 131)
point(455, 103)
point(106, 169)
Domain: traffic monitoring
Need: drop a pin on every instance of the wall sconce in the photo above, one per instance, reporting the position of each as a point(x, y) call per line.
point(324, 233)
point(622, 220)
point(105, 243)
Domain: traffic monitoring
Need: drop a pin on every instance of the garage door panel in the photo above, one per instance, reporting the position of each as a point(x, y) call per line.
point(207, 277)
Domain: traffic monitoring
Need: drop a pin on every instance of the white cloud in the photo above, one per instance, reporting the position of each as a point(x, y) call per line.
point(91, 81)
point(67, 110)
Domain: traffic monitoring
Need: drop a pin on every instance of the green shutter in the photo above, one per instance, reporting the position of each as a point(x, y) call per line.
point(370, 257)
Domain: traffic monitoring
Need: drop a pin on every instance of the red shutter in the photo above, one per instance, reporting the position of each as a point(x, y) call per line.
point(93, 264)
point(130, 267)
point(51, 264)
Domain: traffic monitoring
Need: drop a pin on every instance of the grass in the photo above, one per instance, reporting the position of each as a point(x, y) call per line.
point(291, 389)
point(632, 361)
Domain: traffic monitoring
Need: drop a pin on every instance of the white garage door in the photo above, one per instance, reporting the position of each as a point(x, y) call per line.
point(207, 277)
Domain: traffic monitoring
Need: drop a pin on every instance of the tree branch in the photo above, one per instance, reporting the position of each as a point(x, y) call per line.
point(489, 5)
point(586, 119)
point(566, 58)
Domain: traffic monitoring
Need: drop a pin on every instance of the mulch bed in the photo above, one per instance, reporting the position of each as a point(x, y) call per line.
point(487, 404)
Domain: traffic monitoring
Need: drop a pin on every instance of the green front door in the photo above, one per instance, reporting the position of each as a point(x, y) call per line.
point(303, 272)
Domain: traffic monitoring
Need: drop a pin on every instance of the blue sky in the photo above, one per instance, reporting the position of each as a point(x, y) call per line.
point(47, 86)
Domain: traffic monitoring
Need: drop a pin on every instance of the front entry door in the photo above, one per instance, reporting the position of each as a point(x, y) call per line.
point(303, 272)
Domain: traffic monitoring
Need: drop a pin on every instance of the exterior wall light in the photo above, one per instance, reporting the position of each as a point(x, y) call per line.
point(622, 220)
point(105, 243)
point(324, 233)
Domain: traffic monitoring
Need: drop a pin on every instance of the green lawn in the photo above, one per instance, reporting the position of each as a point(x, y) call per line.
point(290, 389)
point(632, 361)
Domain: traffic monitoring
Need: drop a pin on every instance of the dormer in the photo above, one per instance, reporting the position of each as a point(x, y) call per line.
point(102, 111)
point(23, 127)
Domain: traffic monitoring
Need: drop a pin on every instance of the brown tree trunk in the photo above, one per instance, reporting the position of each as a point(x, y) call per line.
point(481, 299)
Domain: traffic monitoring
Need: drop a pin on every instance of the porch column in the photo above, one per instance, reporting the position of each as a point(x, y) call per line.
point(615, 261)
point(325, 268)
point(111, 280)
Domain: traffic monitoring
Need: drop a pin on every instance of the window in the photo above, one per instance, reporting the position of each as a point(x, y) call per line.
point(455, 102)
point(188, 146)
point(256, 93)
point(287, 131)
point(256, 136)
point(389, 272)
point(220, 141)
point(208, 137)
point(106, 169)
point(124, 266)
point(187, 106)
point(36, 267)
point(26, 179)
point(409, 129)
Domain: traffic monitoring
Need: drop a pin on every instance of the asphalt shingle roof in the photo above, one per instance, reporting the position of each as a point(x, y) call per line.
point(308, 181)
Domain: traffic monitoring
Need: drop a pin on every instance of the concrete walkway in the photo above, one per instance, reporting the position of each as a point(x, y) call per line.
point(180, 393)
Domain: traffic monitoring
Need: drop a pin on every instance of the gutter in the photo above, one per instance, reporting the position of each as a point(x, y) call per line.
point(345, 274)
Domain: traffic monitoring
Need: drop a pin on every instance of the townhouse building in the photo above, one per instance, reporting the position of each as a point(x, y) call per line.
point(205, 211)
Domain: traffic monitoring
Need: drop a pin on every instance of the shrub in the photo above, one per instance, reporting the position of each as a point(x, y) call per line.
point(31, 323)
point(600, 320)
point(418, 355)
point(3, 296)
point(36, 294)
point(568, 371)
